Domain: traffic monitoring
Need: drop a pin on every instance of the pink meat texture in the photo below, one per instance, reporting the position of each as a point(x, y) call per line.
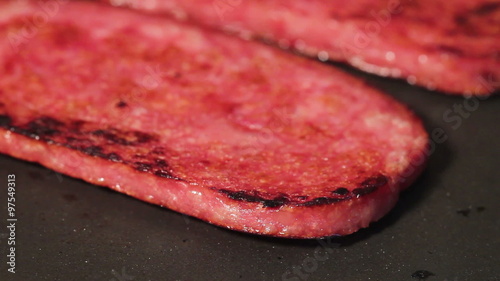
point(450, 46)
point(230, 131)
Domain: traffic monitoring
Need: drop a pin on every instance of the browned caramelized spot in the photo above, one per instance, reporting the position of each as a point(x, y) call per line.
point(450, 50)
point(461, 19)
point(116, 136)
point(121, 104)
point(486, 8)
point(111, 144)
point(338, 195)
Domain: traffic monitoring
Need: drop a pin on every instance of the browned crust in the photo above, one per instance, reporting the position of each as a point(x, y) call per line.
point(74, 135)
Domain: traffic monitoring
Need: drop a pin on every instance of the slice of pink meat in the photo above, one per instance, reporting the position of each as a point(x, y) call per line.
point(229, 131)
point(451, 46)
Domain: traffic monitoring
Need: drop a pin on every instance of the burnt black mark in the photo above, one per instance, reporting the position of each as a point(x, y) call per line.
point(93, 150)
point(480, 209)
point(40, 128)
point(323, 201)
point(161, 163)
point(242, 196)
point(338, 195)
point(83, 145)
point(114, 157)
point(275, 202)
point(142, 138)
point(142, 167)
point(464, 212)
point(121, 104)
point(167, 175)
point(340, 191)
point(422, 274)
point(157, 167)
point(363, 191)
point(71, 139)
point(486, 8)
point(5, 121)
point(114, 136)
point(374, 182)
point(370, 185)
point(77, 124)
point(111, 137)
point(255, 197)
point(76, 135)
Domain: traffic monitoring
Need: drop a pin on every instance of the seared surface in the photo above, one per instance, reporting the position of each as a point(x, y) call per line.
point(229, 131)
point(451, 46)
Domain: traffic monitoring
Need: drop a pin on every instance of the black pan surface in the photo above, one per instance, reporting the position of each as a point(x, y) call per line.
point(446, 226)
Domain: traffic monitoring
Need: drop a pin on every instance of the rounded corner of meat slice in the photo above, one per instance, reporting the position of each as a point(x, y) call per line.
point(229, 131)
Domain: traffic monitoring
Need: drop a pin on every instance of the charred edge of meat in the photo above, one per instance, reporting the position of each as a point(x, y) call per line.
point(370, 185)
point(44, 128)
point(324, 201)
point(338, 195)
point(276, 202)
point(40, 128)
point(340, 191)
point(93, 150)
